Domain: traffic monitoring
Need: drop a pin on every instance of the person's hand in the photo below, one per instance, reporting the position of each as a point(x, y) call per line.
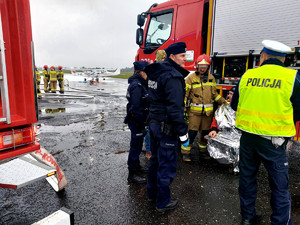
point(186, 143)
point(212, 134)
point(148, 155)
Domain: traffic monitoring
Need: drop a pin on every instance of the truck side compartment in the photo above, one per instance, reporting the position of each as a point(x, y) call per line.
point(17, 67)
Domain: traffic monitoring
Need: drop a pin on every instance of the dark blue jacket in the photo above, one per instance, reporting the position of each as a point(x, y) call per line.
point(295, 98)
point(137, 96)
point(166, 88)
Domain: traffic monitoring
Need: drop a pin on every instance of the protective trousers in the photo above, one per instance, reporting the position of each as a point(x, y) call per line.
point(136, 145)
point(38, 82)
point(255, 150)
point(53, 84)
point(197, 123)
point(46, 81)
point(61, 85)
point(162, 166)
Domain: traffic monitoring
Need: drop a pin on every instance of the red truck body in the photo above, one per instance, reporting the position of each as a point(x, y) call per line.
point(229, 31)
point(18, 107)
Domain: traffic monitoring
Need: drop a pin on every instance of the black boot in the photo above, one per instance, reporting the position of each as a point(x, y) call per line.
point(172, 205)
point(143, 170)
point(134, 178)
point(253, 221)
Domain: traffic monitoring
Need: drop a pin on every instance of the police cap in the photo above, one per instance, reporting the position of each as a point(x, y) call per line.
point(275, 48)
point(232, 89)
point(140, 65)
point(176, 48)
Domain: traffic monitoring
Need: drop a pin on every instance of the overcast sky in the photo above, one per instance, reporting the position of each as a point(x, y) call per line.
point(86, 32)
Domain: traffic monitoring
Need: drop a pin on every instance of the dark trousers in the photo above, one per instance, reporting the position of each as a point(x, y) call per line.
point(162, 166)
point(136, 145)
point(255, 150)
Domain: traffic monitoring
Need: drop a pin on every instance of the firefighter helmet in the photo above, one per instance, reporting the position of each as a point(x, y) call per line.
point(203, 60)
point(60, 67)
point(45, 67)
point(52, 68)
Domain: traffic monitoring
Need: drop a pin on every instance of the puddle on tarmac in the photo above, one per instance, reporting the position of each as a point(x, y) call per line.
point(73, 127)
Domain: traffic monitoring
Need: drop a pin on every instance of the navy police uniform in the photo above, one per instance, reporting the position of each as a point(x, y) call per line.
point(166, 88)
point(256, 148)
point(137, 112)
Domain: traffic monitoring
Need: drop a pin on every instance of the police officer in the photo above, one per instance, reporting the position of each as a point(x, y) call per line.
point(38, 82)
point(166, 88)
point(137, 113)
point(267, 102)
point(201, 93)
point(60, 79)
point(53, 79)
point(46, 78)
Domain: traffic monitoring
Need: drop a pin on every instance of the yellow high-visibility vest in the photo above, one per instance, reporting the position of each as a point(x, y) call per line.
point(264, 106)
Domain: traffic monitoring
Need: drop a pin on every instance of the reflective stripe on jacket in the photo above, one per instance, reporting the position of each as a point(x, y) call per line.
point(60, 75)
point(46, 73)
point(264, 105)
point(53, 75)
point(38, 75)
point(202, 94)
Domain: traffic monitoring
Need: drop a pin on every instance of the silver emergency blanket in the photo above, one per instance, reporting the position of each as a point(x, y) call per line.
point(225, 146)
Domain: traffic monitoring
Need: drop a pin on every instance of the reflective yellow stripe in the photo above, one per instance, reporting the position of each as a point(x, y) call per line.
point(197, 86)
point(204, 84)
point(208, 109)
point(196, 108)
point(188, 148)
point(202, 146)
point(218, 97)
point(262, 127)
point(199, 107)
point(187, 86)
point(210, 84)
point(264, 114)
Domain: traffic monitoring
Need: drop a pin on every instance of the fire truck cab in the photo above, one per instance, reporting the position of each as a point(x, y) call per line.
point(229, 31)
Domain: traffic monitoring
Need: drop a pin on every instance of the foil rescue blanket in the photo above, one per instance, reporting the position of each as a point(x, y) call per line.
point(225, 146)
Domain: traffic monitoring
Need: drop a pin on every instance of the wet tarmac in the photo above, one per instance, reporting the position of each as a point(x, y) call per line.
point(87, 136)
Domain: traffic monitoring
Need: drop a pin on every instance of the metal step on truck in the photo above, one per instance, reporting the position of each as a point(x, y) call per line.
point(22, 159)
point(229, 31)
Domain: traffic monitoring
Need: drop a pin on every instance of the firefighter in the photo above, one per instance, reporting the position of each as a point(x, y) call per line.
point(201, 93)
point(60, 79)
point(38, 82)
point(53, 79)
point(214, 126)
point(267, 123)
point(46, 79)
point(137, 113)
point(166, 89)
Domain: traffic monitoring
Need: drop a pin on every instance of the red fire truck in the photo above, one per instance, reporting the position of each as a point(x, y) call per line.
point(229, 31)
point(22, 159)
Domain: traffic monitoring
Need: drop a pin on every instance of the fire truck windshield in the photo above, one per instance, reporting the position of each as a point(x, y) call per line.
point(159, 29)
